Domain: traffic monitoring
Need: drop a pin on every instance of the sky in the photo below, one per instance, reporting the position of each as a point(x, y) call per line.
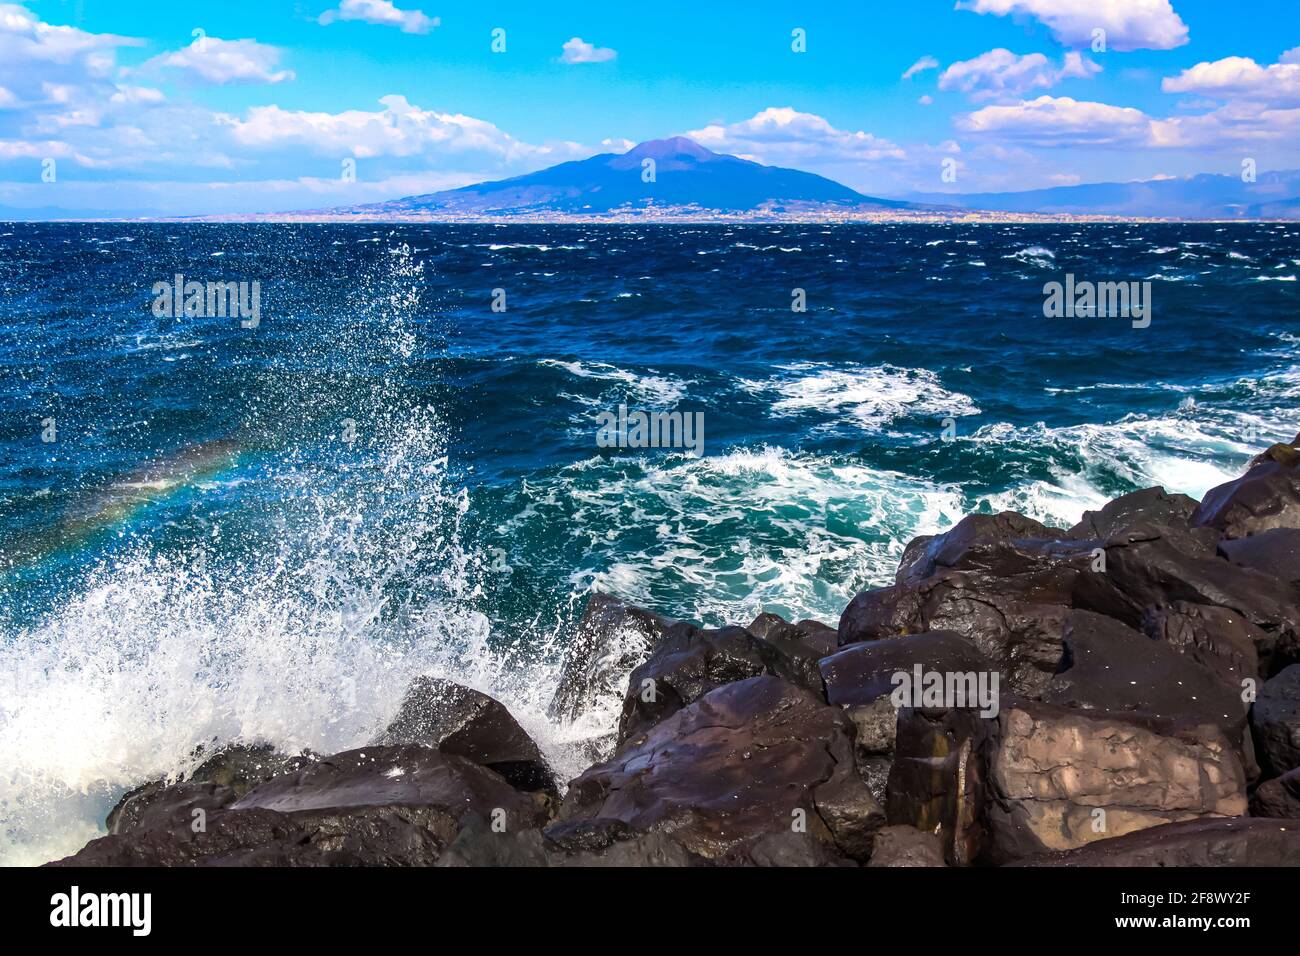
point(115, 107)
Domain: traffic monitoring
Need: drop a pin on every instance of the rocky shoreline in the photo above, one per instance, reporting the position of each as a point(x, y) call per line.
point(1138, 685)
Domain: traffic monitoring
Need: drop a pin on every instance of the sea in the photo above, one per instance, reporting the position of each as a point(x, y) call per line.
point(217, 528)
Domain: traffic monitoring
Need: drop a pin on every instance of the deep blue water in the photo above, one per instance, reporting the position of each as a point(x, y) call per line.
point(264, 532)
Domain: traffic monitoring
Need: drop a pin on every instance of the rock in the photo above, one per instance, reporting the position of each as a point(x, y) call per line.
point(785, 850)
point(880, 613)
point(1276, 721)
point(456, 720)
point(1236, 842)
point(1060, 778)
point(1267, 496)
point(861, 674)
point(227, 774)
point(478, 845)
point(1217, 638)
point(407, 775)
point(644, 850)
point(1275, 552)
point(688, 663)
point(154, 806)
point(938, 780)
point(1147, 577)
point(952, 547)
point(1148, 515)
point(755, 757)
point(797, 648)
point(610, 640)
point(1279, 797)
point(901, 846)
point(1111, 667)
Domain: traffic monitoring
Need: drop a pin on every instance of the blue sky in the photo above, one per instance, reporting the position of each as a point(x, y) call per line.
point(260, 110)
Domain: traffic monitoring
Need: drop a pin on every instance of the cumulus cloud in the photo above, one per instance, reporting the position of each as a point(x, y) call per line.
point(999, 73)
point(925, 63)
point(225, 61)
point(784, 136)
point(37, 56)
point(382, 13)
point(578, 50)
point(1060, 121)
point(1241, 77)
point(1129, 24)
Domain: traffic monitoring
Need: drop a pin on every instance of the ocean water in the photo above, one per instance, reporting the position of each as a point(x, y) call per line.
point(263, 533)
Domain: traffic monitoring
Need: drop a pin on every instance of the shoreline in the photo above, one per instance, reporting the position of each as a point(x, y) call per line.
point(1137, 702)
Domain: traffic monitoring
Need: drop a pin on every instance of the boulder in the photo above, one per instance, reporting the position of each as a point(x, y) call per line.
point(972, 532)
point(1279, 797)
point(156, 806)
point(1275, 552)
point(456, 720)
point(1235, 842)
point(1217, 638)
point(1148, 515)
point(1276, 721)
point(756, 757)
point(901, 846)
point(407, 775)
point(1267, 496)
point(796, 648)
point(1059, 778)
point(688, 663)
point(610, 640)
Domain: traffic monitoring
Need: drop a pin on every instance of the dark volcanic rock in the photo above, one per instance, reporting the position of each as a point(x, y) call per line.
point(1279, 797)
point(1275, 552)
point(902, 846)
point(952, 547)
point(457, 720)
point(1267, 496)
point(879, 613)
point(1237, 842)
point(687, 664)
point(861, 674)
point(1111, 667)
point(756, 757)
point(406, 775)
point(797, 648)
point(1276, 720)
point(1215, 637)
point(243, 766)
point(1148, 515)
point(611, 638)
point(154, 806)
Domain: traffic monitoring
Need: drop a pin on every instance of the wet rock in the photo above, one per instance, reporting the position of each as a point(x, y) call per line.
point(750, 758)
point(1235, 842)
point(1276, 721)
point(879, 613)
point(902, 846)
point(861, 674)
point(610, 640)
point(785, 850)
point(687, 664)
point(456, 720)
point(1275, 552)
point(973, 533)
point(1279, 797)
point(243, 766)
point(1217, 638)
point(643, 850)
point(1061, 778)
point(797, 648)
point(1267, 496)
point(407, 775)
point(938, 781)
point(478, 845)
point(154, 806)
point(1148, 515)
point(1111, 667)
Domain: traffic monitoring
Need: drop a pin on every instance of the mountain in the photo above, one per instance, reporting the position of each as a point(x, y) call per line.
point(1276, 195)
point(685, 175)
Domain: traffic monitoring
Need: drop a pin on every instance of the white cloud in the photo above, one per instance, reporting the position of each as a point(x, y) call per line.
point(1240, 77)
point(382, 13)
point(1060, 121)
point(999, 73)
point(578, 50)
point(784, 136)
point(1129, 24)
point(225, 61)
point(7, 99)
point(925, 63)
